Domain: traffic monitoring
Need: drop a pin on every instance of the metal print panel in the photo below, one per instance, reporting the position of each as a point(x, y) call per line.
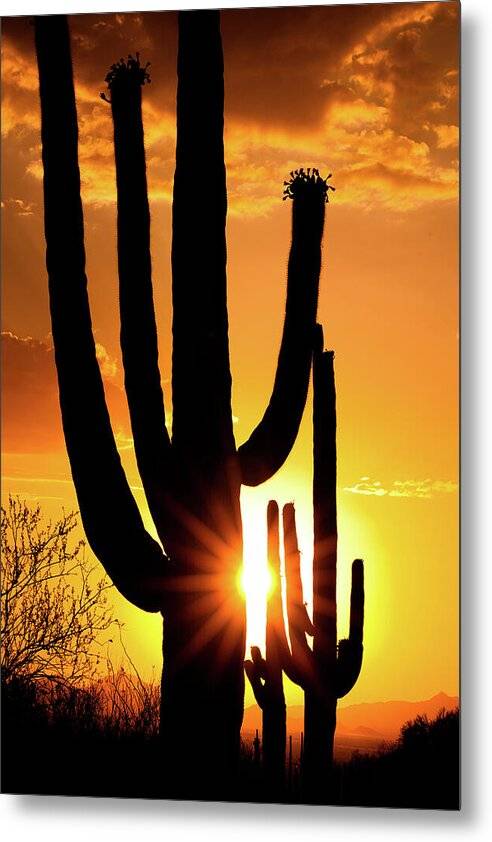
point(230, 405)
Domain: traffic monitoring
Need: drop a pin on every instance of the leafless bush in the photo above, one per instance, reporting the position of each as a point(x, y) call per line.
point(53, 608)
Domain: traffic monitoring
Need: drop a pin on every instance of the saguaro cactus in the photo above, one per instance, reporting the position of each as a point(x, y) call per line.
point(266, 674)
point(192, 484)
point(326, 672)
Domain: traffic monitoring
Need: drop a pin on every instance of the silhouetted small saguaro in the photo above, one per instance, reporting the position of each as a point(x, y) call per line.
point(289, 774)
point(192, 482)
point(328, 671)
point(265, 674)
point(256, 748)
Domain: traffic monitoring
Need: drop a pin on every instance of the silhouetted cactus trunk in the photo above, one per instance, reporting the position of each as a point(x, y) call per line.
point(192, 485)
point(198, 515)
point(320, 696)
point(204, 633)
point(274, 710)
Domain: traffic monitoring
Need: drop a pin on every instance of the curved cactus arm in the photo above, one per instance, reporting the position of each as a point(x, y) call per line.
point(300, 667)
point(295, 599)
point(138, 328)
point(357, 602)
point(256, 673)
point(278, 653)
point(276, 648)
point(114, 528)
point(201, 378)
point(349, 660)
point(271, 442)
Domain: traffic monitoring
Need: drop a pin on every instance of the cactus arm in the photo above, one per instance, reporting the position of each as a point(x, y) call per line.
point(349, 661)
point(357, 603)
point(256, 673)
point(201, 378)
point(111, 519)
point(271, 442)
point(138, 328)
point(277, 649)
point(325, 508)
point(300, 617)
point(299, 666)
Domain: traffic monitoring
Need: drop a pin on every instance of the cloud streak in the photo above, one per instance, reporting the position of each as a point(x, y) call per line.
point(425, 489)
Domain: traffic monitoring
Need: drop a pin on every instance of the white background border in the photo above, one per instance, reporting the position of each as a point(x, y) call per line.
point(53, 819)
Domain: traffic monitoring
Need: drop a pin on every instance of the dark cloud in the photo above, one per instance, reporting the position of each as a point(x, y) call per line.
point(420, 57)
point(277, 59)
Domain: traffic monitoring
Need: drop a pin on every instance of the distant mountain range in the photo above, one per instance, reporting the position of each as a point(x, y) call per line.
point(363, 725)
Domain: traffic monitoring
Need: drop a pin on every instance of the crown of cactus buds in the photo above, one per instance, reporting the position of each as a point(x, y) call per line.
point(126, 72)
point(306, 182)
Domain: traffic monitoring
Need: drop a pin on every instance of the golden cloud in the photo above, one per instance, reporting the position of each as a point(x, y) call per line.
point(362, 131)
point(18, 71)
point(19, 206)
point(447, 136)
point(17, 119)
point(107, 364)
point(399, 18)
point(424, 489)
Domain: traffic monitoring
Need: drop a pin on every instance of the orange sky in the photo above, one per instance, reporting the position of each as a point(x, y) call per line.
point(369, 93)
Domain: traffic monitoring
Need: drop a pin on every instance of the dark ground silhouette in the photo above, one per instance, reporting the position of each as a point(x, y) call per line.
point(71, 747)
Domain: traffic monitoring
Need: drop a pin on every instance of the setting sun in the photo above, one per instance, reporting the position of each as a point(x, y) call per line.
point(256, 583)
